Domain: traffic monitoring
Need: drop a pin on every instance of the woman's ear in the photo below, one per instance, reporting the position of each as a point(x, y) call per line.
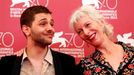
point(102, 22)
point(26, 30)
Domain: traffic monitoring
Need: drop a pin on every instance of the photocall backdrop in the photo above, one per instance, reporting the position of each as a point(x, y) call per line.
point(120, 13)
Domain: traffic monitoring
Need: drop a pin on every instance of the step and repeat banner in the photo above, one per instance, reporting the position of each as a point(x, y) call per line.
point(120, 13)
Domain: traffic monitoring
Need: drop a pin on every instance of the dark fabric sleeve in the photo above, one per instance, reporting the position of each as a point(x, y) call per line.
point(79, 69)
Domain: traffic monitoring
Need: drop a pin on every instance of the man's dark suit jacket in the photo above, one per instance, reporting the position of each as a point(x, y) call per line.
point(64, 64)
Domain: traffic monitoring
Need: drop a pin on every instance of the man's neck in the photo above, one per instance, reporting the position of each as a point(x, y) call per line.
point(36, 52)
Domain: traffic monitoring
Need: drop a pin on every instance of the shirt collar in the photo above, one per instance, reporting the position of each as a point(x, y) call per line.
point(47, 58)
point(24, 56)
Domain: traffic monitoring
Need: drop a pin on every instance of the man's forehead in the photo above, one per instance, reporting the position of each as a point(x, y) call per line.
point(43, 16)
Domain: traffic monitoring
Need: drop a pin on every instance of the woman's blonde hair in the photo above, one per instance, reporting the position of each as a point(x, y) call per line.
point(93, 14)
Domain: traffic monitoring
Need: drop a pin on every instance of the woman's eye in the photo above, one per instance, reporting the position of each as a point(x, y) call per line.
point(87, 25)
point(79, 31)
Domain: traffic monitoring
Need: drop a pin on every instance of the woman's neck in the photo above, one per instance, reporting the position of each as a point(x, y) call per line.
point(106, 47)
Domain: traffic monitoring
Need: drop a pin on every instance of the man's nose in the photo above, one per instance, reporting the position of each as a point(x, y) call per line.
point(50, 28)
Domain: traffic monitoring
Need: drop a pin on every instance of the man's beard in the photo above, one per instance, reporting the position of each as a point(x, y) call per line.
point(39, 40)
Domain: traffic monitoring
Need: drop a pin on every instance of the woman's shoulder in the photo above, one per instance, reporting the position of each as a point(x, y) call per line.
point(87, 61)
point(87, 64)
point(126, 46)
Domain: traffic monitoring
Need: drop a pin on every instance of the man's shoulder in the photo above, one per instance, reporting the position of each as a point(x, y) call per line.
point(7, 62)
point(14, 56)
point(61, 55)
point(8, 58)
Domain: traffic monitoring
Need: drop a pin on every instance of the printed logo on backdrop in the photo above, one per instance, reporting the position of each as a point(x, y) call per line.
point(105, 7)
point(68, 43)
point(18, 6)
point(126, 38)
point(6, 43)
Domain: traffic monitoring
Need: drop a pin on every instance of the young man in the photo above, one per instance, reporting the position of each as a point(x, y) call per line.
point(37, 58)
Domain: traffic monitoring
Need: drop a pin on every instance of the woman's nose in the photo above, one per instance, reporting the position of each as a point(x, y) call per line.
point(86, 31)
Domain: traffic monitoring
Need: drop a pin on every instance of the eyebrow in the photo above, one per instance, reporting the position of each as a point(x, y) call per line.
point(46, 19)
point(43, 19)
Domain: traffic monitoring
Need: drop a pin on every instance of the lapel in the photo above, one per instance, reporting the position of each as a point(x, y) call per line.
point(57, 63)
point(56, 60)
point(17, 66)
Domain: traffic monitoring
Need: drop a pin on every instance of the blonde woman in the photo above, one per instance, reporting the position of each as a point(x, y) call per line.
point(109, 58)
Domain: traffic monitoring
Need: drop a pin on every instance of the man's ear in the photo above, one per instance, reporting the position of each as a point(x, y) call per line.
point(26, 30)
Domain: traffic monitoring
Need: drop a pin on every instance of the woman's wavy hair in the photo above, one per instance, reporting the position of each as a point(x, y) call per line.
point(94, 15)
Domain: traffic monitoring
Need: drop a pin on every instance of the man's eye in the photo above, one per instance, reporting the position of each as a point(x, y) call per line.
point(52, 24)
point(43, 23)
